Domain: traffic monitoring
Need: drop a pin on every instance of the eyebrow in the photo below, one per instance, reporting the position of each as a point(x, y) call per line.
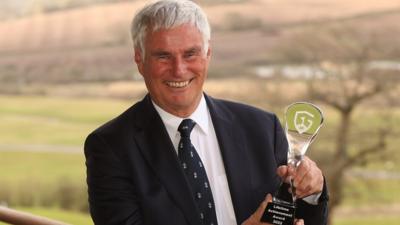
point(193, 50)
point(159, 52)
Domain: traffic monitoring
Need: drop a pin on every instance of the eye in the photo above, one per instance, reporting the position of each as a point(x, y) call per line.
point(163, 56)
point(191, 53)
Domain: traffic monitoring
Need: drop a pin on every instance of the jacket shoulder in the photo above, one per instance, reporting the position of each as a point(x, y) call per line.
point(240, 110)
point(122, 123)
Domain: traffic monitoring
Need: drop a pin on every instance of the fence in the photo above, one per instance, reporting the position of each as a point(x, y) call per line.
point(15, 217)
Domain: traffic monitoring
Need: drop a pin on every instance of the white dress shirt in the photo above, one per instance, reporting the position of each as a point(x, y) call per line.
point(205, 141)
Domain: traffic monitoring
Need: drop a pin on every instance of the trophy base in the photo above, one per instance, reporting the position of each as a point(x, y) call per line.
point(279, 213)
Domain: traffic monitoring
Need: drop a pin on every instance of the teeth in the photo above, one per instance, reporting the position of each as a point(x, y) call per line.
point(178, 84)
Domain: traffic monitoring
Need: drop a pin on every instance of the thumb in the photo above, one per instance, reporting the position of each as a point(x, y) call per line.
point(260, 211)
point(282, 171)
point(299, 222)
point(268, 198)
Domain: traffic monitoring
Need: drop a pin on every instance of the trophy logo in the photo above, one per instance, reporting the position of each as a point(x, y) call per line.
point(303, 121)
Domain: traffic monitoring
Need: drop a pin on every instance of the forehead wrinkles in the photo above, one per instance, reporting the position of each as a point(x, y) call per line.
point(179, 38)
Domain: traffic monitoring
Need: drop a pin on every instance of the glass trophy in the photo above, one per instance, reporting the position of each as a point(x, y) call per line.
point(302, 123)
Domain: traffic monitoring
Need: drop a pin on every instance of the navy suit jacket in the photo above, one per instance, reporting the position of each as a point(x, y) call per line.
point(134, 175)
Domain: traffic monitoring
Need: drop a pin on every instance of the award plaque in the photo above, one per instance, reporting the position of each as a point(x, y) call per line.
point(302, 123)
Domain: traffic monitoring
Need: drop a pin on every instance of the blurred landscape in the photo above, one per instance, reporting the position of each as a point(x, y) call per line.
point(67, 66)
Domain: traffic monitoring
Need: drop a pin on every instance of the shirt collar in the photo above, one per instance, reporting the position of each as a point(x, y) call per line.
point(171, 122)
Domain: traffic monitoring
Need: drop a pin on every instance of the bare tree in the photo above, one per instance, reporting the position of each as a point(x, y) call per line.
point(344, 60)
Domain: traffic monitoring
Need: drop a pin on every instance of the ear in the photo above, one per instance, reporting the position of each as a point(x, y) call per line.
point(208, 52)
point(139, 61)
point(208, 56)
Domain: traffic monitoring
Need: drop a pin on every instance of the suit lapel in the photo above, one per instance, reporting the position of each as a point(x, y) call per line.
point(234, 156)
point(158, 150)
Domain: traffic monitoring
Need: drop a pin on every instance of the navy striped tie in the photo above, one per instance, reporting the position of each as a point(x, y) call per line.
point(196, 174)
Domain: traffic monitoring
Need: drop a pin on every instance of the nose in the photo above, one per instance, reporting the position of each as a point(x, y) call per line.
point(179, 67)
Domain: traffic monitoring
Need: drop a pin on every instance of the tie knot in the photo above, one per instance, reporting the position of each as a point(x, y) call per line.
point(186, 127)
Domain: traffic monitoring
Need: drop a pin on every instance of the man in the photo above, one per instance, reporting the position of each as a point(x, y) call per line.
point(138, 163)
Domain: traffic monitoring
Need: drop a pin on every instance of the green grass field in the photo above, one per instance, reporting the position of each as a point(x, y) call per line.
point(52, 183)
point(369, 220)
point(36, 179)
point(53, 121)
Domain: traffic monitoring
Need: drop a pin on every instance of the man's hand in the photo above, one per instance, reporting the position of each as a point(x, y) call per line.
point(307, 178)
point(255, 219)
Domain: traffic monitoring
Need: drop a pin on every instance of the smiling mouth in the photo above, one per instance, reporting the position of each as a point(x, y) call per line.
point(178, 84)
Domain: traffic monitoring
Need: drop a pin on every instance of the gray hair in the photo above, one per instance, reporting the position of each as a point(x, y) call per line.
point(165, 14)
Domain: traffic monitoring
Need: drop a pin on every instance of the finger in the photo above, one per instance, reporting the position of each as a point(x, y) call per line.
point(302, 170)
point(311, 182)
point(260, 211)
point(255, 218)
point(269, 198)
point(303, 181)
point(304, 190)
point(282, 171)
point(299, 222)
point(291, 171)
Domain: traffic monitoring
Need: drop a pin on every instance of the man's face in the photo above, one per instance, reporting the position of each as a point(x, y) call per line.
point(174, 68)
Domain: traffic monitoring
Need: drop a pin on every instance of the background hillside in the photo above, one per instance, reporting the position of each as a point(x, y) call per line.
point(92, 42)
point(11, 9)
